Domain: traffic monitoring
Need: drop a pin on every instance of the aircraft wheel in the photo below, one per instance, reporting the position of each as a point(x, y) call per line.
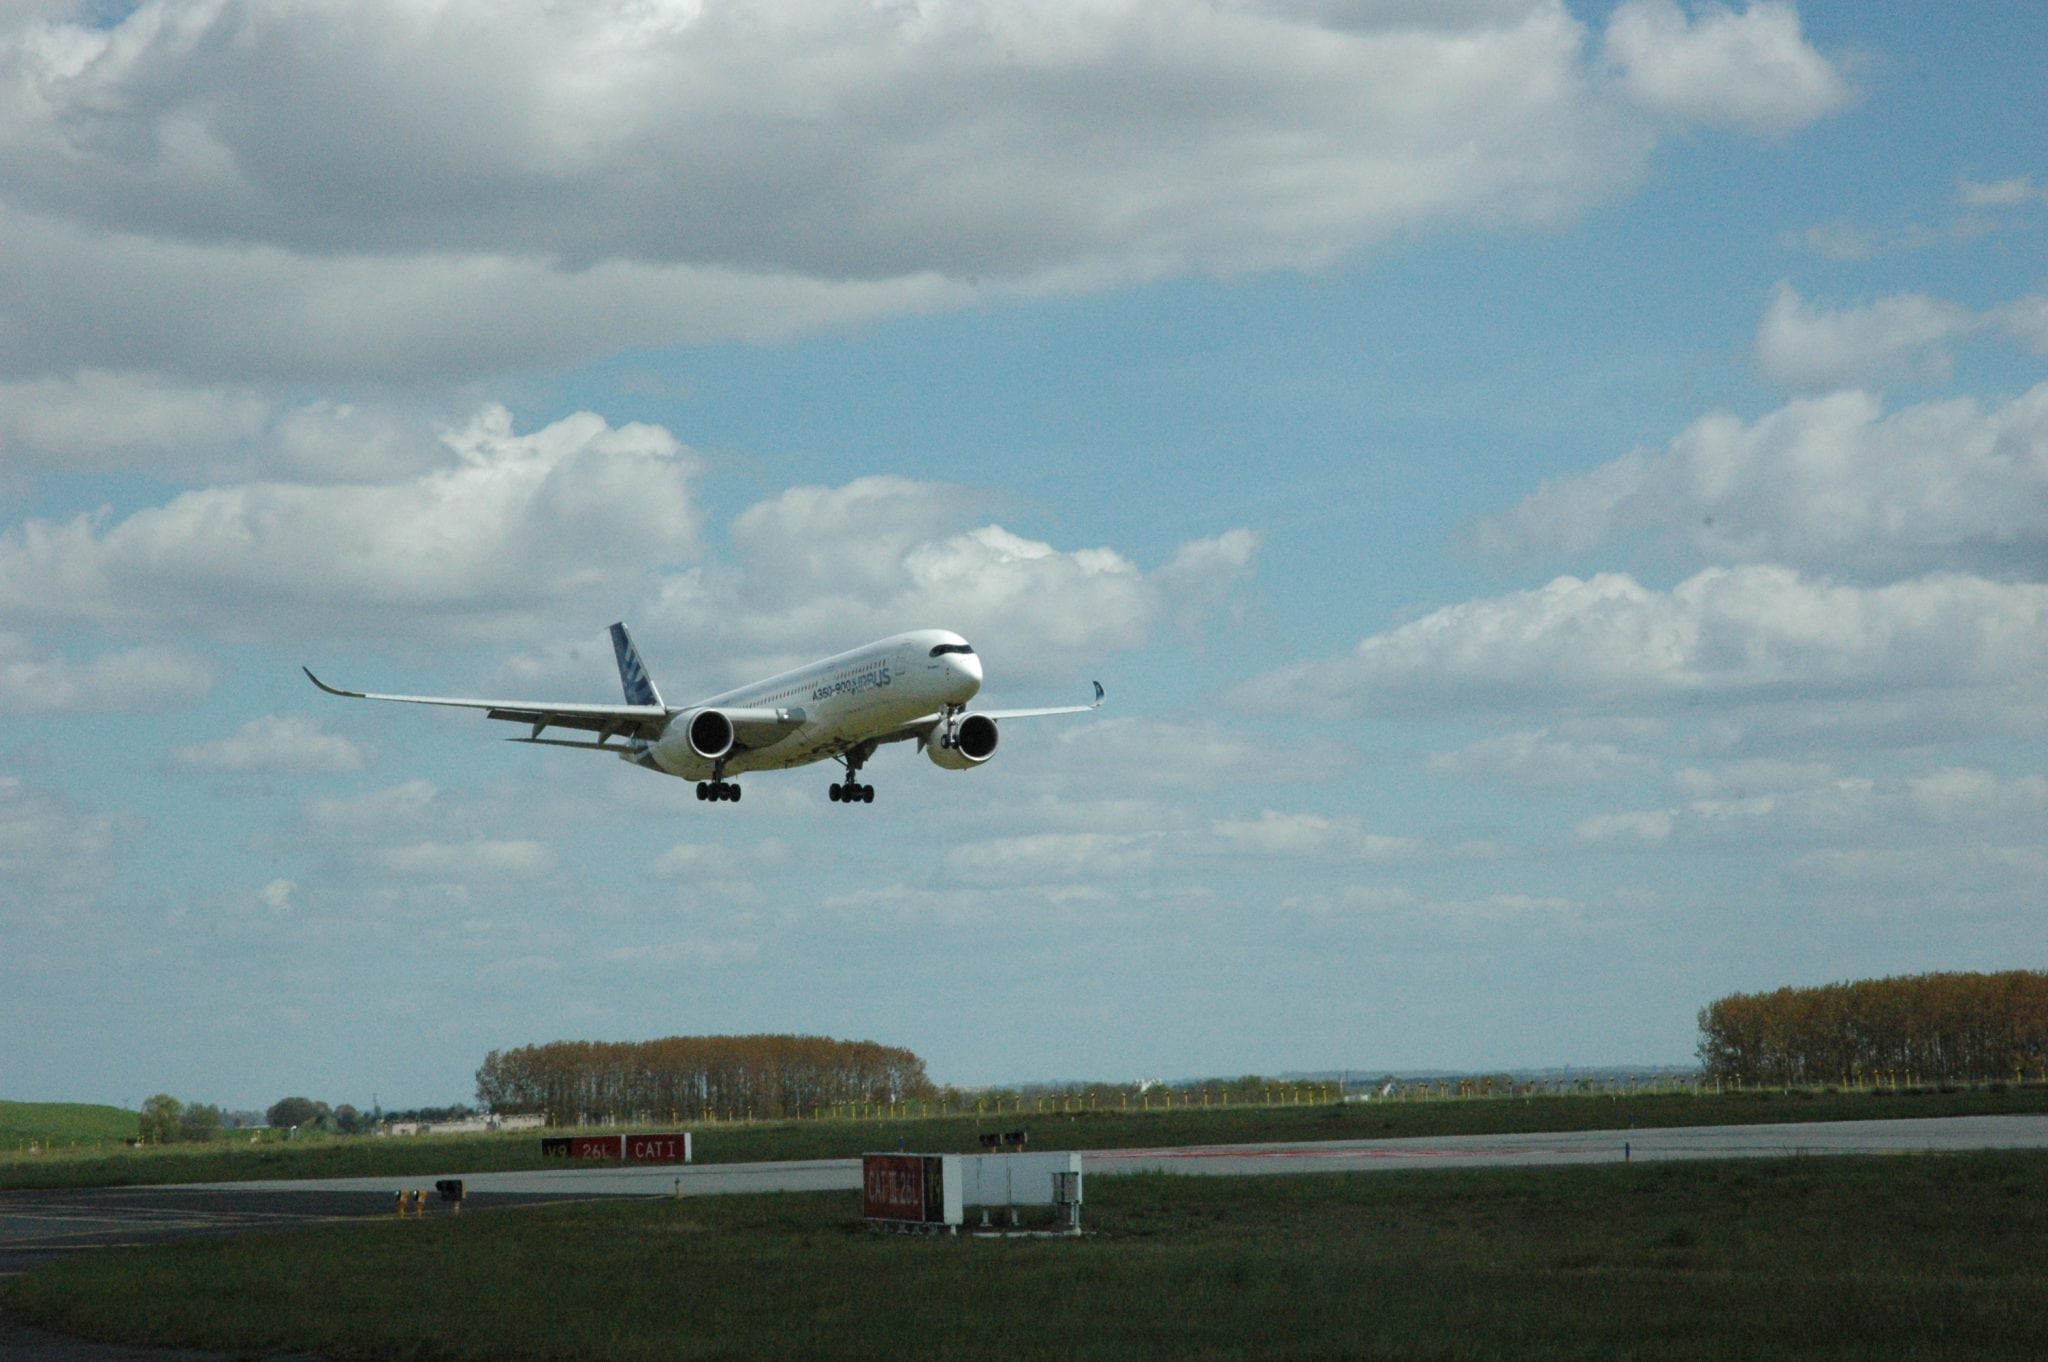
point(833, 790)
point(867, 794)
point(703, 792)
point(735, 795)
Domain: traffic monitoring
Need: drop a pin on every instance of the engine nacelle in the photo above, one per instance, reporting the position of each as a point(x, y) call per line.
point(974, 742)
point(710, 733)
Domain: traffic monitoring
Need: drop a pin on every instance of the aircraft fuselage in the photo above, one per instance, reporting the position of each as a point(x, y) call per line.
point(844, 699)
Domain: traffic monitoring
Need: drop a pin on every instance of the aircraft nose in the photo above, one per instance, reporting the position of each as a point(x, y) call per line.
point(968, 668)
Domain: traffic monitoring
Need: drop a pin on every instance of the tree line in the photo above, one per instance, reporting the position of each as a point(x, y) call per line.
point(1922, 1026)
point(691, 1077)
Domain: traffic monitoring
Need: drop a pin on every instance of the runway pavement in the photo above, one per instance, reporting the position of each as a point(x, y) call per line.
point(1332, 1156)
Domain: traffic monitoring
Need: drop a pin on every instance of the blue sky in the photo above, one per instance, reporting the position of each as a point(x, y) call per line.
point(1557, 494)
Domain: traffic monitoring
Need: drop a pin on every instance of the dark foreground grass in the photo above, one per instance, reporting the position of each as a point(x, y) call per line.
point(1898, 1258)
point(233, 1161)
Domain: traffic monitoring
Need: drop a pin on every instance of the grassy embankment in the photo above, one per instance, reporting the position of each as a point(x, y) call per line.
point(58, 1126)
point(236, 1159)
point(1906, 1257)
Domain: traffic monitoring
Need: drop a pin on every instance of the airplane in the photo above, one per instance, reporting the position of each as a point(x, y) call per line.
point(905, 688)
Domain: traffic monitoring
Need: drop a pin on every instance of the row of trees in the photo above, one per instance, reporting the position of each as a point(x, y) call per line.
point(166, 1120)
point(1931, 1026)
point(689, 1077)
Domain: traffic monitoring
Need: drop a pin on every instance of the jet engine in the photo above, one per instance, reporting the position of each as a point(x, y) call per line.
point(711, 734)
point(973, 742)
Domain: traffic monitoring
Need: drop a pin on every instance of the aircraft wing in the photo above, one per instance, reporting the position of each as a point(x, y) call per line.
point(1041, 713)
point(607, 721)
point(923, 728)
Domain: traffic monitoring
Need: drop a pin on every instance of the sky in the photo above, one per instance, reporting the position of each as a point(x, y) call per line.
point(1557, 495)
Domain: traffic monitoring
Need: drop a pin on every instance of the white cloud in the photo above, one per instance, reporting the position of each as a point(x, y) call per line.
point(1539, 758)
point(694, 951)
point(1752, 70)
point(1831, 482)
point(378, 189)
point(1898, 339)
point(2009, 193)
point(820, 568)
point(2026, 321)
point(1745, 779)
point(715, 862)
point(1650, 826)
point(124, 682)
point(1759, 635)
point(96, 420)
point(515, 858)
point(380, 811)
point(1293, 835)
point(1050, 856)
point(53, 861)
point(289, 744)
point(1120, 751)
point(508, 527)
point(1931, 809)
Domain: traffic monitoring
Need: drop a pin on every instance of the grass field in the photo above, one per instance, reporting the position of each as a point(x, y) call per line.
point(61, 1125)
point(235, 1159)
point(1907, 1257)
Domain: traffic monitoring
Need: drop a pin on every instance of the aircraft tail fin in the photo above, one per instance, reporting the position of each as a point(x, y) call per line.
point(632, 671)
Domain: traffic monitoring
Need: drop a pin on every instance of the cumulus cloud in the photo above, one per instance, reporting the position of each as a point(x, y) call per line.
point(388, 810)
point(53, 859)
point(1540, 758)
point(817, 568)
point(1935, 805)
point(507, 527)
point(2007, 193)
point(33, 681)
point(1752, 70)
point(1050, 856)
point(378, 189)
point(1901, 338)
point(287, 744)
point(1831, 482)
point(480, 857)
point(1751, 634)
point(94, 420)
point(1294, 835)
point(1174, 755)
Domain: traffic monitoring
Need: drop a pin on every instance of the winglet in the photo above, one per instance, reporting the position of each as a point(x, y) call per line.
point(351, 694)
point(1098, 690)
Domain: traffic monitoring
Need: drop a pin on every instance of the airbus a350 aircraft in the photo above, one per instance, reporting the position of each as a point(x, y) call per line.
point(912, 687)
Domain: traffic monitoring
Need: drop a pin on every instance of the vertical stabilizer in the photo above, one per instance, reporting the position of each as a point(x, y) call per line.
point(632, 671)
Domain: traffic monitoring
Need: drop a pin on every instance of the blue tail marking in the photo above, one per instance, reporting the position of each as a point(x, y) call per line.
point(632, 671)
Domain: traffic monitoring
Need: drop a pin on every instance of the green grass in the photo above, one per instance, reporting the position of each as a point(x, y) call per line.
point(235, 1159)
point(62, 1125)
point(1914, 1257)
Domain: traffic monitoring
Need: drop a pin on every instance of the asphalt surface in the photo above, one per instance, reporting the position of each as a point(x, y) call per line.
point(36, 1226)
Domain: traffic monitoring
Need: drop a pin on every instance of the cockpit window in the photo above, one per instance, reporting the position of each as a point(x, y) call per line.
point(945, 648)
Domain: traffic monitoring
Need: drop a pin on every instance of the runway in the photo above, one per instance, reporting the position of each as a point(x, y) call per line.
point(1333, 1156)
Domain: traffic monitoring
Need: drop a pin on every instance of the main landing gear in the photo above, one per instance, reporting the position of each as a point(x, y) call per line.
point(718, 790)
point(849, 790)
